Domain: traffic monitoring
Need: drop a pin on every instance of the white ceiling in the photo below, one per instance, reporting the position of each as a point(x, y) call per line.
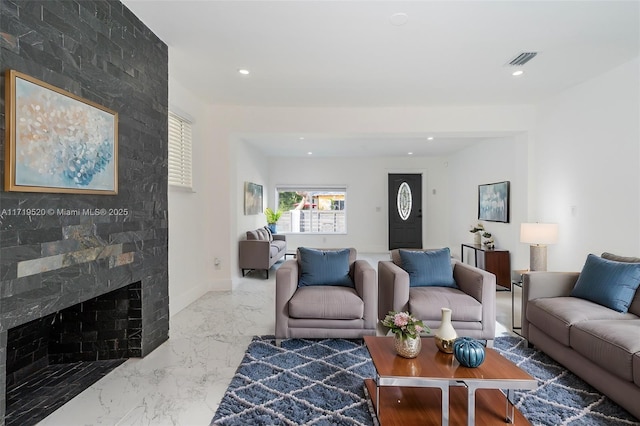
point(350, 54)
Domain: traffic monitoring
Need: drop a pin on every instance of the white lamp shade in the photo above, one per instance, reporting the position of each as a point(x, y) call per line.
point(539, 233)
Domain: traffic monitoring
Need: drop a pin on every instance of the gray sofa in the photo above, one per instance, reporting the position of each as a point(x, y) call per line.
point(597, 343)
point(473, 302)
point(261, 250)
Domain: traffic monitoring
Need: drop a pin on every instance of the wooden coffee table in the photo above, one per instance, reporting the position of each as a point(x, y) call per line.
point(434, 388)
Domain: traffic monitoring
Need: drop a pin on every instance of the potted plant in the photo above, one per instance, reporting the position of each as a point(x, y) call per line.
point(272, 218)
point(406, 329)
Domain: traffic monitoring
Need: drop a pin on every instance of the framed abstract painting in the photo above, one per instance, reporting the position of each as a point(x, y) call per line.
point(252, 198)
point(493, 202)
point(57, 141)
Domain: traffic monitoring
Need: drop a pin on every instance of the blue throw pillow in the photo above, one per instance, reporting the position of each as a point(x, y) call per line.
point(320, 267)
point(608, 283)
point(428, 268)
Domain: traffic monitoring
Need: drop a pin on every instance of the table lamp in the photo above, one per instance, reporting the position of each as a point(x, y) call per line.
point(538, 235)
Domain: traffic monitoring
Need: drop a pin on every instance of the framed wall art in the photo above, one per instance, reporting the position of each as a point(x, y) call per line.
point(57, 141)
point(493, 202)
point(252, 198)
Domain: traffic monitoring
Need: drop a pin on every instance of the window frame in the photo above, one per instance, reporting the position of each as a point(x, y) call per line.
point(180, 152)
point(315, 188)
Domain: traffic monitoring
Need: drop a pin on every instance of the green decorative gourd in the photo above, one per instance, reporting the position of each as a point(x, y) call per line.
point(469, 352)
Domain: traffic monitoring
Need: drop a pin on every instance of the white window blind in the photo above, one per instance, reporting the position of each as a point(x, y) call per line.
point(179, 151)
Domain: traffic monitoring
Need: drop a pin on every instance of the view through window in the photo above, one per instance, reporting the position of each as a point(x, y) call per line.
point(320, 210)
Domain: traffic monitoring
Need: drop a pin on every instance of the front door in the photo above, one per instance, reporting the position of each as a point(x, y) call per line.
point(405, 211)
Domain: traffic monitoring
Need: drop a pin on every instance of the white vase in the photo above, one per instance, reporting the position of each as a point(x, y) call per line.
point(446, 334)
point(477, 238)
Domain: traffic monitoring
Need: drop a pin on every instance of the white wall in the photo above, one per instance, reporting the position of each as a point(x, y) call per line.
point(586, 168)
point(496, 160)
point(250, 166)
point(194, 217)
point(367, 211)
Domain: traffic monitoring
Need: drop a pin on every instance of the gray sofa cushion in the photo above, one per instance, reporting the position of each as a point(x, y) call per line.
point(609, 343)
point(279, 244)
point(326, 302)
point(555, 315)
point(426, 303)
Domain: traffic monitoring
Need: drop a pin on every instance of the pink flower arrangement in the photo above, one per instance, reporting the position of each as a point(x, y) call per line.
point(404, 325)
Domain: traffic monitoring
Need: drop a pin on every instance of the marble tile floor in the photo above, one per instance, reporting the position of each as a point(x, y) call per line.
point(182, 382)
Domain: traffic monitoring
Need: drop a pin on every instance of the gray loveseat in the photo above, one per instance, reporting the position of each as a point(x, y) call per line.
point(261, 250)
point(597, 343)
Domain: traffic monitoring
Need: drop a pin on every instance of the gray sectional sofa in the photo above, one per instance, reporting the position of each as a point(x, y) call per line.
point(261, 250)
point(596, 342)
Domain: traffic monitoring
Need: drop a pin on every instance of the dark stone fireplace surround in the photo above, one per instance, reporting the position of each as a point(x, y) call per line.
point(102, 52)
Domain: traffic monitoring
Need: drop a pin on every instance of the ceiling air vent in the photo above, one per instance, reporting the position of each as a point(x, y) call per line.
point(522, 58)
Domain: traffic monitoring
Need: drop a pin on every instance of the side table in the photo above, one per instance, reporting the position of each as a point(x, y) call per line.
point(514, 328)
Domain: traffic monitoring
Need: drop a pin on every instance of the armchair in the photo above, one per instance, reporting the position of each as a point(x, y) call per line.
point(472, 298)
point(308, 309)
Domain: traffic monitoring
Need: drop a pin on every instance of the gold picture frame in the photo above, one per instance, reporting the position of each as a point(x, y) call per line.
point(56, 141)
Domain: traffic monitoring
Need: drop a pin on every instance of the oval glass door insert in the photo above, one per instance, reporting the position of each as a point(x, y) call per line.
point(404, 201)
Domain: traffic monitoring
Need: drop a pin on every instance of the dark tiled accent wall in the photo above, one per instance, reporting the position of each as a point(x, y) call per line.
point(100, 51)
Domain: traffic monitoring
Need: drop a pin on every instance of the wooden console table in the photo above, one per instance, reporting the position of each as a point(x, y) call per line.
point(491, 260)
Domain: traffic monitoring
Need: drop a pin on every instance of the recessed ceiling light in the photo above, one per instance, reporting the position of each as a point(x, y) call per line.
point(399, 19)
point(301, 138)
point(243, 71)
point(409, 153)
point(430, 138)
point(517, 73)
point(309, 153)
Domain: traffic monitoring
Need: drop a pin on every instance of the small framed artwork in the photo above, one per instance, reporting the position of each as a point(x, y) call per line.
point(493, 202)
point(252, 198)
point(56, 141)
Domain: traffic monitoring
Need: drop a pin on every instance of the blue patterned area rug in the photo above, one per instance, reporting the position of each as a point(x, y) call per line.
point(310, 382)
point(562, 398)
point(320, 382)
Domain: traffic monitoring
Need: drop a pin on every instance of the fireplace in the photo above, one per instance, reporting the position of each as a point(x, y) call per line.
point(51, 259)
point(54, 358)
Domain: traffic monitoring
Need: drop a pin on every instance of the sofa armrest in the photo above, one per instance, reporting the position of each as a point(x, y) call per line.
point(364, 277)
point(481, 285)
point(253, 254)
point(286, 285)
point(393, 288)
point(281, 237)
point(538, 284)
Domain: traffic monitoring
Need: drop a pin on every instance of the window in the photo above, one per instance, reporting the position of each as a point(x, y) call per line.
point(179, 151)
point(315, 210)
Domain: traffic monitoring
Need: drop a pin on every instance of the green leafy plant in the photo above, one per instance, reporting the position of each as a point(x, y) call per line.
point(477, 228)
point(272, 217)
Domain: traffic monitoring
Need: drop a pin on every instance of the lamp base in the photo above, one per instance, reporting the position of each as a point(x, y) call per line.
point(538, 257)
